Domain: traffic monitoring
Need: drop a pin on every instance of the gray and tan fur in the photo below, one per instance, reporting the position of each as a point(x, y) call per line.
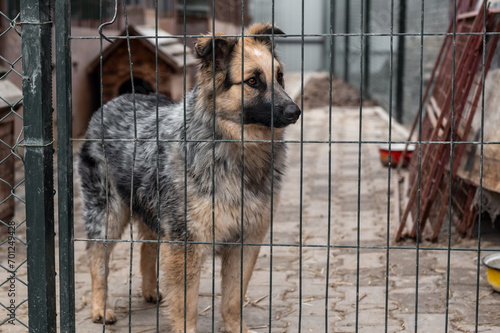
point(113, 182)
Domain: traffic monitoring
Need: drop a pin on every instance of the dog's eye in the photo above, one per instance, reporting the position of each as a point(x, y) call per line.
point(280, 76)
point(251, 81)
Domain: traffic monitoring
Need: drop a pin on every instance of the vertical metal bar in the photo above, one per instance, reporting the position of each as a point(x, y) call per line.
point(105, 244)
point(62, 17)
point(330, 89)
point(242, 239)
point(107, 214)
point(12, 8)
point(480, 204)
point(184, 40)
point(301, 207)
point(271, 224)
point(331, 5)
point(134, 156)
point(214, 137)
point(157, 141)
point(391, 76)
point(401, 61)
point(360, 138)
point(346, 41)
point(366, 76)
point(450, 196)
point(420, 106)
point(37, 91)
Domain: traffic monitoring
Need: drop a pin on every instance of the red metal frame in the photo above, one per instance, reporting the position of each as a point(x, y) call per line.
point(436, 124)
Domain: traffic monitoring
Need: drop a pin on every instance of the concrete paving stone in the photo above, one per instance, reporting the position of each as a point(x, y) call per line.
point(425, 322)
point(373, 277)
point(280, 277)
point(392, 327)
point(369, 298)
point(371, 295)
point(256, 314)
point(313, 324)
point(317, 221)
point(369, 329)
point(467, 327)
point(427, 302)
point(429, 283)
point(283, 238)
point(315, 289)
point(366, 260)
point(371, 317)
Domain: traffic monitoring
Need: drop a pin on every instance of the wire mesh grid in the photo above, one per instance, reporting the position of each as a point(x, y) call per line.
point(329, 261)
point(13, 282)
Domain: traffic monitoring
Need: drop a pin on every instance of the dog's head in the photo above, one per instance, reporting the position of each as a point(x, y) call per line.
point(246, 68)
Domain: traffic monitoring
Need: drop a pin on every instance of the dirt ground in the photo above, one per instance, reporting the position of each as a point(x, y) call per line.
point(316, 94)
point(334, 265)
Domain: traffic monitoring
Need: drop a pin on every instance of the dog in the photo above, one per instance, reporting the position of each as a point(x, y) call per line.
point(184, 176)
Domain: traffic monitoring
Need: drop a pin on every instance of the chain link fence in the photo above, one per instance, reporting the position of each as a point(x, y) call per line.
point(13, 284)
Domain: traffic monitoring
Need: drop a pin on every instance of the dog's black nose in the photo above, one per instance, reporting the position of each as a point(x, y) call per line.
point(292, 113)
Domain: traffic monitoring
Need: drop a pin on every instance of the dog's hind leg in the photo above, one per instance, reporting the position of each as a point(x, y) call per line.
point(182, 269)
point(99, 252)
point(105, 216)
point(149, 255)
point(232, 282)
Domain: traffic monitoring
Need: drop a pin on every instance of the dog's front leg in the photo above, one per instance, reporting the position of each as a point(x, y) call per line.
point(182, 269)
point(98, 267)
point(232, 282)
point(149, 253)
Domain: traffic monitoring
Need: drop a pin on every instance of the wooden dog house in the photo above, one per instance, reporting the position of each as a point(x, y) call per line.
point(116, 78)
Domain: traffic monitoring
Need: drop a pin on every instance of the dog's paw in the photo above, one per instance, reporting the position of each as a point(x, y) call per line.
point(181, 330)
point(152, 296)
point(98, 316)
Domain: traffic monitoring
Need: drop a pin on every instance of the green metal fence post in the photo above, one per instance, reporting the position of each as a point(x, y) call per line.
point(331, 47)
point(37, 91)
point(347, 27)
point(366, 59)
point(62, 17)
point(401, 62)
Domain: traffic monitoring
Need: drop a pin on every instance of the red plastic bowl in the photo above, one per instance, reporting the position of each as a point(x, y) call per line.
point(396, 153)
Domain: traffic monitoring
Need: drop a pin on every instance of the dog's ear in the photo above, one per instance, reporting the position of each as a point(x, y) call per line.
point(264, 29)
point(224, 46)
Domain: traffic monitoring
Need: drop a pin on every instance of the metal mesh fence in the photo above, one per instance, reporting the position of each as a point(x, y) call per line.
point(172, 198)
point(14, 281)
